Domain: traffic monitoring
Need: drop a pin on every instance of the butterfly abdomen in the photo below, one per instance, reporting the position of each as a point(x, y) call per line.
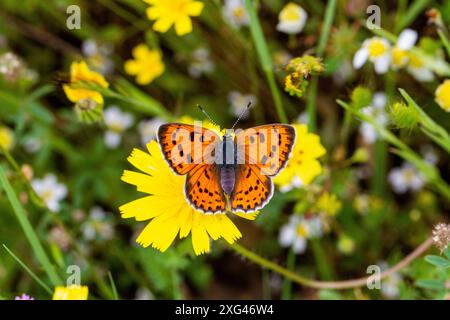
point(227, 178)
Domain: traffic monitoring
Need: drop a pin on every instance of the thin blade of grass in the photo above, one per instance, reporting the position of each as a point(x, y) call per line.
point(28, 230)
point(113, 286)
point(28, 270)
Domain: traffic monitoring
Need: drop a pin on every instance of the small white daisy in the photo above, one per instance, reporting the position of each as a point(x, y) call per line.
point(98, 55)
point(302, 118)
point(201, 63)
point(378, 51)
point(298, 230)
point(148, 129)
point(117, 122)
point(292, 19)
point(377, 111)
point(417, 68)
point(429, 154)
point(390, 285)
point(97, 226)
point(235, 14)
point(50, 191)
point(401, 51)
point(239, 102)
point(405, 178)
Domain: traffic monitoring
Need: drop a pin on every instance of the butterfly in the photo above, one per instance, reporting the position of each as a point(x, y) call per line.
point(229, 173)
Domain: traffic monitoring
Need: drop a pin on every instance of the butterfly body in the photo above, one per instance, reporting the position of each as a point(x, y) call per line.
point(232, 172)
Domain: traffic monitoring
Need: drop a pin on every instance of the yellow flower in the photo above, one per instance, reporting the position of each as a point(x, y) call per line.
point(146, 65)
point(72, 292)
point(442, 95)
point(6, 138)
point(329, 204)
point(79, 73)
point(173, 12)
point(303, 166)
point(167, 208)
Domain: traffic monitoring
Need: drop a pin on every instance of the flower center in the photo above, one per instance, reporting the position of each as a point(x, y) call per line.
point(415, 61)
point(290, 14)
point(376, 48)
point(47, 195)
point(302, 231)
point(239, 12)
point(399, 57)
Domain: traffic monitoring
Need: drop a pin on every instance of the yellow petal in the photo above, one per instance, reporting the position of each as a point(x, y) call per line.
point(195, 8)
point(200, 239)
point(163, 24)
point(183, 25)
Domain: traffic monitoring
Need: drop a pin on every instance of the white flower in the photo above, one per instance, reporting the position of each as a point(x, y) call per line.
point(98, 55)
point(200, 63)
point(390, 285)
point(50, 191)
point(418, 70)
point(117, 122)
point(239, 102)
point(400, 53)
point(296, 232)
point(148, 128)
point(234, 12)
point(32, 145)
point(296, 183)
point(376, 111)
point(429, 154)
point(97, 226)
point(144, 294)
point(292, 19)
point(377, 50)
point(302, 118)
point(405, 178)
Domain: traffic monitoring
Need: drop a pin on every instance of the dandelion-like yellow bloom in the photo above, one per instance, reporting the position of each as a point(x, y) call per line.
point(146, 65)
point(442, 95)
point(329, 204)
point(173, 12)
point(6, 138)
point(167, 208)
point(303, 165)
point(79, 73)
point(72, 292)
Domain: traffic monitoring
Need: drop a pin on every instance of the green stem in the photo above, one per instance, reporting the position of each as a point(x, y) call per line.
point(286, 293)
point(380, 150)
point(337, 285)
point(28, 230)
point(322, 262)
point(312, 96)
point(264, 57)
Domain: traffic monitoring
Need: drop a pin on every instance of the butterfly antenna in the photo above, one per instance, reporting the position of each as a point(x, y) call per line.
point(207, 115)
point(242, 114)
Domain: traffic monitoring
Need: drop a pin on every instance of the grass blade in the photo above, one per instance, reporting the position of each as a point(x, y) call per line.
point(28, 270)
point(28, 230)
point(113, 286)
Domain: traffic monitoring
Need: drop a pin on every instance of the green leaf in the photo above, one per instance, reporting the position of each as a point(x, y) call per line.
point(431, 284)
point(438, 261)
point(447, 253)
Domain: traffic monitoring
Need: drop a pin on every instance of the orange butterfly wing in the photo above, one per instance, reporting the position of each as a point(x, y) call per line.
point(266, 150)
point(185, 146)
point(189, 150)
point(252, 190)
point(267, 146)
point(203, 190)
